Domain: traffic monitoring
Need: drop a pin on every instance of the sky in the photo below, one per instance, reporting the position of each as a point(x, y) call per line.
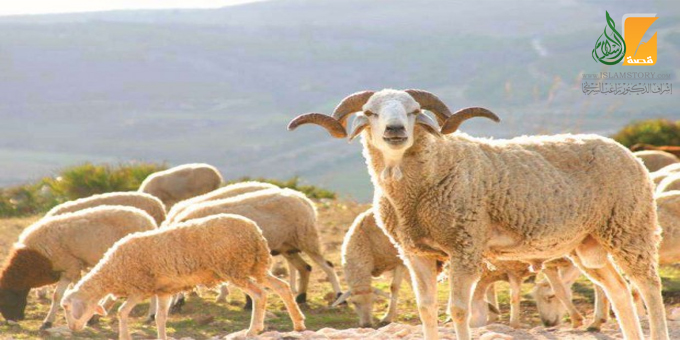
point(22, 7)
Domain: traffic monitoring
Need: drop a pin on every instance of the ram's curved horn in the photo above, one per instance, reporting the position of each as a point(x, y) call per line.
point(358, 125)
point(327, 122)
point(429, 101)
point(453, 123)
point(341, 299)
point(350, 104)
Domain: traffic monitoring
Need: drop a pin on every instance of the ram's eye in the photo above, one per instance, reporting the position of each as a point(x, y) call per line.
point(369, 113)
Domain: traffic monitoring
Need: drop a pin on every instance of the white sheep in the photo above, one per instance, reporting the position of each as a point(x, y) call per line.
point(150, 204)
point(182, 182)
point(668, 211)
point(288, 221)
point(58, 248)
point(655, 160)
point(670, 183)
point(456, 198)
point(659, 175)
point(169, 260)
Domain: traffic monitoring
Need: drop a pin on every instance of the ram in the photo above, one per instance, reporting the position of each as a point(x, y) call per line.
point(451, 197)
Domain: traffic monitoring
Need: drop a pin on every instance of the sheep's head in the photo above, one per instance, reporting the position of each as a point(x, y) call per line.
point(389, 118)
point(13, 303)
point(79, 310)
point(550, 309)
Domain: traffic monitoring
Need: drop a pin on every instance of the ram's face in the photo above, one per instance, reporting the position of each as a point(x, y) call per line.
point(392, 120)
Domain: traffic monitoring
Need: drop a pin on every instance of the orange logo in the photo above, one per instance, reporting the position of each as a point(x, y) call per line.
point(639, 52)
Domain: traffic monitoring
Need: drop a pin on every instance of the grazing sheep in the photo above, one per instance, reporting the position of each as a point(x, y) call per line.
point(288, 221)
point(228, 191)
point(461, 199)
point(166, 261)
point(58, 248)
point(655, 160)
point(670, 183)
point(675, 150)
point(150, 204)
point(659, 175)
point(366, 253)
point(668, 211)
point(182, 182)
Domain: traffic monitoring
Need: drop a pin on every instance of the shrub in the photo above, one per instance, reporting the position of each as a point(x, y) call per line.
point(654, 131)
point(294, 183)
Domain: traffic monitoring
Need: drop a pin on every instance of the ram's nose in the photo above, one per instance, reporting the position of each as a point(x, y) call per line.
point(395, 134)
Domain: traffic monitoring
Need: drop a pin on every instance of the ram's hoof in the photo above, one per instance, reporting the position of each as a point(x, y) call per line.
point(301, 298)
point(45, 325)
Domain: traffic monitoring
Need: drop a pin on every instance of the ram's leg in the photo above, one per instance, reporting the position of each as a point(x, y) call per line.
point(163, 305)
point(259, 298)
point(515, 296)
point(282, 289)
point(424, 278)
point(463, 278)
point(618, 293)
point(563, 295)
point(601, 310)
point(123, 313)
point(394, 295)
point(56, 300)
point(305, 270)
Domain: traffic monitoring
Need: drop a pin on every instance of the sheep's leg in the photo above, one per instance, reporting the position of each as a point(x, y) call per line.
point(292, 277)
point(177, 302)
point(259, 298)
point(650, 289)
point(224, 292)
point(601, 310)
point(424, 278)
point(618, 293)
point(639, 304)
point(163, 305)
point(56, 300)
point(305, 270)
point(479, 307)
point(327, 267)
point(462, 282)
point(562, 294)
point(394, 295)
point(282, 289)
point(492, 299)
point(515, 296)
point(151, 314)
point(123, 313)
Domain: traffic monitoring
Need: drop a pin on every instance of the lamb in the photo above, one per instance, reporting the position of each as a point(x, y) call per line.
point(150, 204)
point(670, 183)
point(655, 160)
point(57, 249)
point(462, 199)
point(675, 150)
point(182, 182)
point(288, 221)
point(228, 191)
point(169, 260)
point(367, 251)
point(668, 210)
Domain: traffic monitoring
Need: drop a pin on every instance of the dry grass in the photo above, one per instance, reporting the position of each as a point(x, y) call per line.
point(336, 217)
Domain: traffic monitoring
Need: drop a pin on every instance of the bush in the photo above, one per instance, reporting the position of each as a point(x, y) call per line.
point(73, 183)
point(294, 183)
point(654, 131)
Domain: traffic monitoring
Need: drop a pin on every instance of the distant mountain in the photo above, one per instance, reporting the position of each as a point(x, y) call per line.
point(219, 85)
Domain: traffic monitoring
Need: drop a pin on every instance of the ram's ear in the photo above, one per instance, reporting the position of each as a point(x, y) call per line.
point(358, 125)
point(430, 125)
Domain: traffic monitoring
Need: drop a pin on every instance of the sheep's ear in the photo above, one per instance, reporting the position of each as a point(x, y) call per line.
point(100, 310)
point(358, 125)
point(430, 125)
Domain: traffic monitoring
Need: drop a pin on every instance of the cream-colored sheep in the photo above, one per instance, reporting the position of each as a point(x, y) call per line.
point(152, 205)
point(670, 183)
point(456, 198)
point(659, 175)
point(228, 191)
point(655, 160)
point(182, 182)
point(169, 260)
point(366, 253)
point(57, 249)
point(288, 221)
point(668, 211)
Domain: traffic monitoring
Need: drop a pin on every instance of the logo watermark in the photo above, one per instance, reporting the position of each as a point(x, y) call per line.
point(611, 47)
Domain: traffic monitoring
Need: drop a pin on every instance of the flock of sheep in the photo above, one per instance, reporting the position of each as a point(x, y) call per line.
point(476, 210)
